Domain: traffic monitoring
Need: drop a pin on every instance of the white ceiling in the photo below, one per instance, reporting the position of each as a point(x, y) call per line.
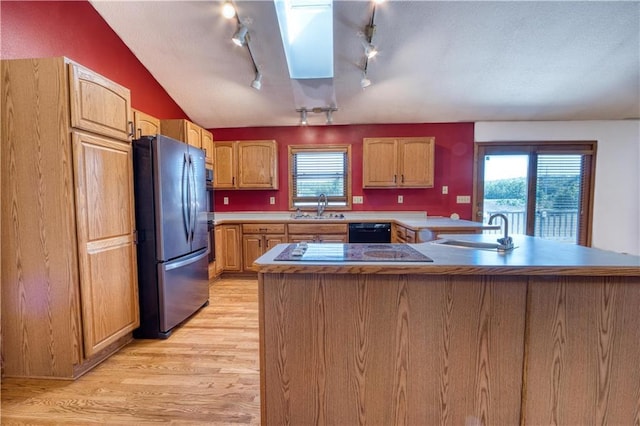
point(445, 61)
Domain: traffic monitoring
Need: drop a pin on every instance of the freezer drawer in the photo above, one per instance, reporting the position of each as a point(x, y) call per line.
point(183, 288)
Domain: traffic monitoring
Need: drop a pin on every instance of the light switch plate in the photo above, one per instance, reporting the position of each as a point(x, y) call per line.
point(357, 199)
point(445, 189)
point(225, 200)
point(400, 199)
point(272, 200)
point(463, 199)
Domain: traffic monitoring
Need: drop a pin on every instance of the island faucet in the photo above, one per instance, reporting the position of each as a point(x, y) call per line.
point(322, 203)
point(506, 243)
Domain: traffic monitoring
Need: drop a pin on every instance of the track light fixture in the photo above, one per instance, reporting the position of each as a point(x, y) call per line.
point(303, 116)
point(328, 111)
point(364, 81)
point(257, 82)
point(240, 36)
point(228, 10)
point(369, 49)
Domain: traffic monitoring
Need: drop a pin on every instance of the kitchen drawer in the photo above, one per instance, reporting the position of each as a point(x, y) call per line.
point(263, 228)
point(317, 228)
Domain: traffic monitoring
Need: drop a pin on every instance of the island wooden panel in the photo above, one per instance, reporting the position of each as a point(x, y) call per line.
point(583, 357)
point(403, 349)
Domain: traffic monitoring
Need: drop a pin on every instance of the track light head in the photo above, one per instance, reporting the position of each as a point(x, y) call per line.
point(329, 116)
point(228, 10)
point(303, 117)
point(370, 50)
point(365, 82)
point(257, 82)
point(240, 37)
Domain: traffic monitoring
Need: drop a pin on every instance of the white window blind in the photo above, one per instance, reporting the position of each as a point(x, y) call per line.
point(316, 171)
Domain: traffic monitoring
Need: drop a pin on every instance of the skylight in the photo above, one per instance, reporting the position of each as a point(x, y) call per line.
point(306, 28)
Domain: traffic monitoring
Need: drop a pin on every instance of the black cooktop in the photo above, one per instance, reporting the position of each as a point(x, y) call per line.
point(338, 252)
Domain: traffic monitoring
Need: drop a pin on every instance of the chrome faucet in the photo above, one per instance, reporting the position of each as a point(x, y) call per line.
point(322, 203)
point(506, 243)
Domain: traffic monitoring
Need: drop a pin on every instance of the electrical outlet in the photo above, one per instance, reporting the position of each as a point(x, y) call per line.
point(400, 199)
point(225, 200)
point(272, 200)
point(463, 199)
point(445, 189)
point(357, 199)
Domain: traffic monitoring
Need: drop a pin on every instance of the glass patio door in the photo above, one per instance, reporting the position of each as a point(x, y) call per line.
point(543, 189)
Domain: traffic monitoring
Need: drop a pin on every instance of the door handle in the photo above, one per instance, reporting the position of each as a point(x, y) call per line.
point(194, 197)
point(185, 196)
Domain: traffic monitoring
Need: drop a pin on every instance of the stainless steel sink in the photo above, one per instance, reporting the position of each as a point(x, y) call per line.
point(473, 244)
point(321, 217)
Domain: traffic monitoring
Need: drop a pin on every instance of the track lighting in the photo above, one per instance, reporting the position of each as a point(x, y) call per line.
point(365, 82)
point(329, 116)
point(257, 82)
point(228, 10)
point(370, 50)
point(328, 111)
point(240, 37)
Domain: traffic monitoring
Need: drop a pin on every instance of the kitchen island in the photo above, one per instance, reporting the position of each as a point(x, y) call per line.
point(545, 333)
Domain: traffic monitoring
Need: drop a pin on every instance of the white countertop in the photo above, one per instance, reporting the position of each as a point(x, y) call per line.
point(415, 220)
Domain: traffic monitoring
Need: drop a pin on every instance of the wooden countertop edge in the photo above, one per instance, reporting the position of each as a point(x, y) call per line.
point(307, 268)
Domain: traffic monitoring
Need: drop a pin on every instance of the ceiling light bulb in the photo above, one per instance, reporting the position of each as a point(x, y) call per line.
point(228, 11)
point(365, 82)
point(240, 37)
point(257, 82)
point(370, 50)
point(303, 117)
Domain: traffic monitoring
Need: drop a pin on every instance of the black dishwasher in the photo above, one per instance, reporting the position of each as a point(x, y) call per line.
point(370, 232)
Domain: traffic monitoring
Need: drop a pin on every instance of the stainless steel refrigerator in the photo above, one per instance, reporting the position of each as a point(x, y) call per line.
point(171, 219)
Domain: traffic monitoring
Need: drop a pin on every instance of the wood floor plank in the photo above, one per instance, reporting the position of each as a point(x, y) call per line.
point(205, 373)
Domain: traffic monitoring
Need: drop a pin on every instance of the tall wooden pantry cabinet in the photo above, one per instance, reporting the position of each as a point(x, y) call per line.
point(69, 280)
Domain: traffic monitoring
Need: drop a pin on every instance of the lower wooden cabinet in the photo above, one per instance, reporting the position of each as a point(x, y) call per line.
point(231, 256)
point(219, 248)
point(258, 238)
point(400, 234)
point(318, 233)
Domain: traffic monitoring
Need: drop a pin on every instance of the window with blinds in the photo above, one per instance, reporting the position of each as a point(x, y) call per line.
point(319, 170)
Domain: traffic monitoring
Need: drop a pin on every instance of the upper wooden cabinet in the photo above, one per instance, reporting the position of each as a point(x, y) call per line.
point(145, 124)
point(206, 138)
point(188, 132)
point(99, 105)
point(69, 271)
point(398, 162)
point(246, 164)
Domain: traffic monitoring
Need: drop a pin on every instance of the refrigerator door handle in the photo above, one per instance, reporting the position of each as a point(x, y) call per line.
point(185, 196)
point(192, 197)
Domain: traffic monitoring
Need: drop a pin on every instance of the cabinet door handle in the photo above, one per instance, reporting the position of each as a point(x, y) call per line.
point(394, 179)
point(139, 133)
point(402, 178)
point(131, 129)
point(233, 180)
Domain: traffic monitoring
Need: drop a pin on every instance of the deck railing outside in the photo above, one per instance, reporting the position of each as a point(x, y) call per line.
point(560, 225)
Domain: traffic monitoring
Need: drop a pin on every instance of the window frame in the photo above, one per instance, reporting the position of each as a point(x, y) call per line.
point(346, 148)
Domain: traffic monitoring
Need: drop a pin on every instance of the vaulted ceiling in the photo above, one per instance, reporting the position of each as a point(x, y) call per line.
point(444, 61)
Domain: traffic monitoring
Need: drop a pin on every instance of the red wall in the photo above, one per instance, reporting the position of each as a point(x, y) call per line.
point(34, 29)
point(453, 166)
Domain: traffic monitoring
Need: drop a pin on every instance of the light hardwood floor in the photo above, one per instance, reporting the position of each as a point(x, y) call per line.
point(207, 372)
